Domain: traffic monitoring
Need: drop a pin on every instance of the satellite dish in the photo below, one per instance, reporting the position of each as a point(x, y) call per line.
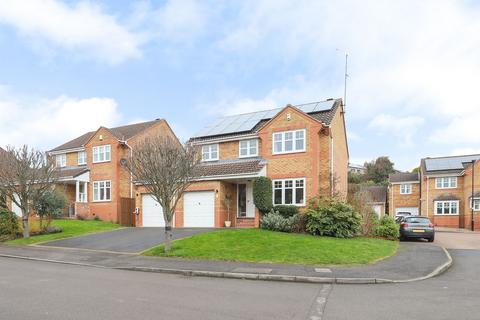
point(123, 162)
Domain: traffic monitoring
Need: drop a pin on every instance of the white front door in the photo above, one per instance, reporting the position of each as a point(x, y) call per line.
point(16, 209)
point(152, 212)
point(199, 209)
point(246, 207)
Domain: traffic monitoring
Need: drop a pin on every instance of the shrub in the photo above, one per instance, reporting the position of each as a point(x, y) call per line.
point(262, 194)
point(49, 206)
point(286, 211)
point(361, 203)
point(9, 226)
point(273, 221)
point(80, 217)
point(331, 217)
point(387, 229)
point(97, 218)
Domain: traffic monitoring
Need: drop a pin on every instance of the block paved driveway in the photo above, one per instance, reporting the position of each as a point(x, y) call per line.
point(126, 240)
point(462, 239)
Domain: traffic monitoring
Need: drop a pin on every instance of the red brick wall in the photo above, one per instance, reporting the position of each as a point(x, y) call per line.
point(398, 200)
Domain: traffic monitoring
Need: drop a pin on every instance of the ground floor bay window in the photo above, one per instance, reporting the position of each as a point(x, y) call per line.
point(289, 192)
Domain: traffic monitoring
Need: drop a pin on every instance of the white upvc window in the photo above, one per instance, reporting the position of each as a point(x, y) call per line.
point(82, 157)
point(248, 148)
point(406, 188)
point(289, 192)
point(289, 141)
point(446, 182)
point(102, 190)
point(210, 152)
point(61, 160)
point(102, 153)
point(449, 207)
point(475, 204)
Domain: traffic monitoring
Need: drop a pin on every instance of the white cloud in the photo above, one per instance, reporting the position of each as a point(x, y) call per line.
point(46, 123)
point(81, 27)
point(460, 131)
point(404, 128)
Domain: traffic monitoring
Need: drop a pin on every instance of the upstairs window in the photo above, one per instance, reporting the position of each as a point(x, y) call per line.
point(61, 160)
point(475, 204)
point(248, 148)
point(101, 153)
point(82, 157)
point(406, 188)
point(446, 182)
point(210, 152)
point(289, 141)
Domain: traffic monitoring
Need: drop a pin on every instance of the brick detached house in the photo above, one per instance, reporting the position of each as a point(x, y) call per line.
point(91, 171)
point(447, 191)
point(302, 148)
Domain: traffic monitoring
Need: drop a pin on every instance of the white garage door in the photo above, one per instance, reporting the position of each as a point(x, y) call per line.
point(152, 213)
point(198, 209)
point(412, 210)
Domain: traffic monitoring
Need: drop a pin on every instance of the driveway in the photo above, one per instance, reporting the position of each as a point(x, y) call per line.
point(458, 240)
point(126, 240)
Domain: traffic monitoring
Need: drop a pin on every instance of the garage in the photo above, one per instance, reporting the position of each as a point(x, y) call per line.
point(199, 209)
point(152, 213)
point(412, 210)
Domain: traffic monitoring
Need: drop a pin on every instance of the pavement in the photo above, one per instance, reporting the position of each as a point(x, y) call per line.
point(57, 291)
point(413, 260)
point(125, 240)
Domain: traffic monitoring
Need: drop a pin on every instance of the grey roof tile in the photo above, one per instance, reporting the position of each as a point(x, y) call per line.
point(230, 167)
point(403, 177)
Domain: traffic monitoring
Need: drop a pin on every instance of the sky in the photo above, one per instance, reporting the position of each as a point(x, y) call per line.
point(68, 67)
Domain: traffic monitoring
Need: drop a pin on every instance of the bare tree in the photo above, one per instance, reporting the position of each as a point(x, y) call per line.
point(25, 175)
point(165, 168)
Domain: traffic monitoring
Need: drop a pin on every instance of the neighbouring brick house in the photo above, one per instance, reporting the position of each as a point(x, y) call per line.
point(448, 191)
point(404, 193)
point(91, 171)
point(302, 148)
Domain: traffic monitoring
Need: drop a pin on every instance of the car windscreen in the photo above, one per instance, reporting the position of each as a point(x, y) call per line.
point(418, 220)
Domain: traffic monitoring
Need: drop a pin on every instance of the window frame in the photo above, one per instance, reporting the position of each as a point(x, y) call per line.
point(97, 183)
point(442, 183)
point(84, 157)
point(248, 148)
point(293, 140)
point(63, 162)
point(209, 146)
point(473, 201)
point(405, 191)
point(293, 188)
point(96, 151)
point(443, 202)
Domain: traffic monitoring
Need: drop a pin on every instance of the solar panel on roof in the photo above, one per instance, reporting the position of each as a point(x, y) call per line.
point(452, 163)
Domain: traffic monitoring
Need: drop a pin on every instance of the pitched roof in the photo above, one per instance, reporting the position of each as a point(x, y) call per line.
point(249, 123)
point(451, 164)
point(121, 133)
point(377, 193)
point(403, 177)
point(230, 167)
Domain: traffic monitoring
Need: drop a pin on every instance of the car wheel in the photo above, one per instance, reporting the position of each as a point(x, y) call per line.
point(431, 239)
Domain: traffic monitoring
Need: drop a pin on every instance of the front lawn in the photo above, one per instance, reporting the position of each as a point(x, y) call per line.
point(256, 245)
point(70, 228)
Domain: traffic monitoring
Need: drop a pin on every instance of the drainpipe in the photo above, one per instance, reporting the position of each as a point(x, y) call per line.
point(131, 175)
point(428, 194)
point(331, 163)
point(473, 193)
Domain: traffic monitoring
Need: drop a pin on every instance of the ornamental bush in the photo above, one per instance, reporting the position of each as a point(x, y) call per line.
point(262, 194)
point(286, 211)
point(274, 221)
point(333, 218)
point(387, 229)
point(9, 226)
point(49, 206)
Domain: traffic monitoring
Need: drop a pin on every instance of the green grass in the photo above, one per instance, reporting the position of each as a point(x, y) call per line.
point(256, 245)
point(70, 228)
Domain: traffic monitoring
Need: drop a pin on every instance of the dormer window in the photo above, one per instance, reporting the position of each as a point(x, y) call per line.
point(61, 160)
point(248, 148)
point(210, 152)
